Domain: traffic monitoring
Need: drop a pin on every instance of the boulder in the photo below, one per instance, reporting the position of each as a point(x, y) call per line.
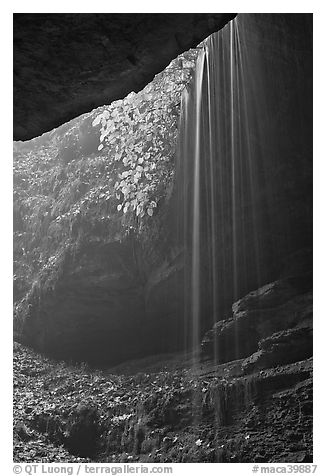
point(281, 348)
point(273, 294)
point(275, 307)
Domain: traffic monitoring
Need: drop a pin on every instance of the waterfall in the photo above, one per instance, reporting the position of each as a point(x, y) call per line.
point(226, 198)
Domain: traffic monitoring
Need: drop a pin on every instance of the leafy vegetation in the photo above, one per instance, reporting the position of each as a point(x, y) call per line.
point(147, 151)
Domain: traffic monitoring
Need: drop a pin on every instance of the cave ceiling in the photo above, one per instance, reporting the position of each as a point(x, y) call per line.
point(68, 64)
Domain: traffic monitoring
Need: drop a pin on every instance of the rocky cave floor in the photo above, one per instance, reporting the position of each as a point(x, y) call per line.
point(160, 409)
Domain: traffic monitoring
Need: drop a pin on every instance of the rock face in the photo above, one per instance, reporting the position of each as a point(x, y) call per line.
point(278, 334)
point(101, 270)
point(272, 323)
point(67, 64)
point(291, 345)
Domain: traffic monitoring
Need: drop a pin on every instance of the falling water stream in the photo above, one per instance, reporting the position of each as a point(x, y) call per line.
point(229, 147)
point(229, 151)
point(214, 172)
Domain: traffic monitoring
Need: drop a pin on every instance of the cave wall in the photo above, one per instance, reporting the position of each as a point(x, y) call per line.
point(92, 282)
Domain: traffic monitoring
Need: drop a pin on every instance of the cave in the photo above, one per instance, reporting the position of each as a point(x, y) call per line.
point(163, 233)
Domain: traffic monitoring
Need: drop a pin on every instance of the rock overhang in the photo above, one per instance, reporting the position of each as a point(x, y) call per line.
point(69, 63)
